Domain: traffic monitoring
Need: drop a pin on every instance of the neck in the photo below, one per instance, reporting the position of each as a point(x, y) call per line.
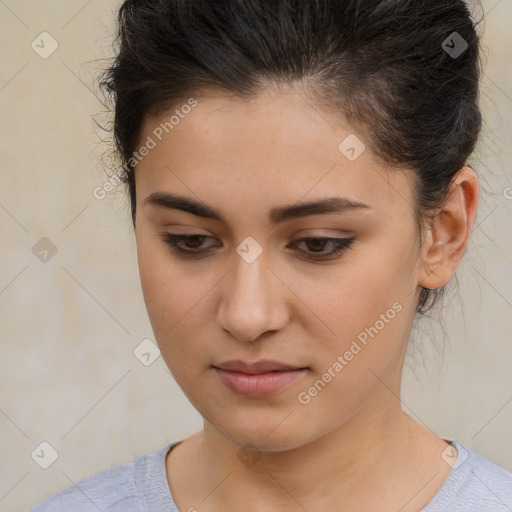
point(345, 465)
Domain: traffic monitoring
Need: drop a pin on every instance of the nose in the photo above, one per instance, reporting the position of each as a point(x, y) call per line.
point(253, 301)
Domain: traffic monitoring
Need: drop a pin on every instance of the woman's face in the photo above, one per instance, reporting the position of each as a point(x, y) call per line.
point(252, 290)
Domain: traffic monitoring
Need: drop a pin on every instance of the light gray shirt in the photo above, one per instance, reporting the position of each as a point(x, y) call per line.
point(474, 484)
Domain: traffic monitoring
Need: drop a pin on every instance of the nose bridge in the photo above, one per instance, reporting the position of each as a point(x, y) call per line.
point(251, 275)
point(249, 303)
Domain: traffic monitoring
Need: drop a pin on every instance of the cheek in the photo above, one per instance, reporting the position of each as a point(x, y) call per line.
point(368, 306)
point(366, 311)
point(175, 301)
point(165, 289)
point(354, 295)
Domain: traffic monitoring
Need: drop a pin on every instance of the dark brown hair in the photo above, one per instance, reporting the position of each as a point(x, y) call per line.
point(386, 64)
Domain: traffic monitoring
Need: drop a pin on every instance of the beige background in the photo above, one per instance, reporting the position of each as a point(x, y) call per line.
point(69, 326)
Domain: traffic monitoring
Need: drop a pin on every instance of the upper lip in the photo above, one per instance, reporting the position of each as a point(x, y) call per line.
point(256, 367)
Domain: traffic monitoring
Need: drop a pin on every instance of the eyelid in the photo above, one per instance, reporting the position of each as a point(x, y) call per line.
point(305, 232)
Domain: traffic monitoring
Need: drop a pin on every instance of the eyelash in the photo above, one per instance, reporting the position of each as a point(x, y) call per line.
point(340, 245)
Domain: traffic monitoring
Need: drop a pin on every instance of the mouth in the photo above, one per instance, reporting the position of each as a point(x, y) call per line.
point(258, 379)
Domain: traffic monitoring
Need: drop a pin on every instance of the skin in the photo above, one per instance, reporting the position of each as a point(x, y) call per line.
point(352, 443)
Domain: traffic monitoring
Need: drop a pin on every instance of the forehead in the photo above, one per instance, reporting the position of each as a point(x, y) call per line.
point(277, 145)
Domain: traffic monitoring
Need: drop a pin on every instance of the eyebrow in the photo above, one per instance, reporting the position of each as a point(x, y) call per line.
point(277, 215)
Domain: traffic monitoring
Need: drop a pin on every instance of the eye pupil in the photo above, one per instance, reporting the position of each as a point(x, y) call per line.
point(195, 238)
point(315, 244)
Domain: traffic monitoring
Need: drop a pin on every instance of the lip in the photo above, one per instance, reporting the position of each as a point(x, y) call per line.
point(258, 379)
point(263, 366)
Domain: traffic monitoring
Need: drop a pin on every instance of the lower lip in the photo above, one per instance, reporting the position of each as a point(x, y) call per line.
point(258, 385)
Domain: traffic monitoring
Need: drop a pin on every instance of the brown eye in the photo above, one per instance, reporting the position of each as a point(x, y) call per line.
point(195, 241)
point(192, 243)
point(316, 244)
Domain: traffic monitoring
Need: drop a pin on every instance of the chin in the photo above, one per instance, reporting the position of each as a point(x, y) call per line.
point(272, 432)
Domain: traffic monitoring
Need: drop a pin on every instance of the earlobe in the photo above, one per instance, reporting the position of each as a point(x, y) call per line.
point(448, 236)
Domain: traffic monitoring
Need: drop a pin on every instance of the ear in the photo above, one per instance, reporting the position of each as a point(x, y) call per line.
point(448, 236)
